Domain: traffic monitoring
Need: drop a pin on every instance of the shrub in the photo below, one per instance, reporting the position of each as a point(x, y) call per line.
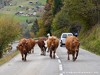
point(9, 30)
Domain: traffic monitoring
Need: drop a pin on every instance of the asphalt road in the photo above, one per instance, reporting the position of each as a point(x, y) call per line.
point(86, 64)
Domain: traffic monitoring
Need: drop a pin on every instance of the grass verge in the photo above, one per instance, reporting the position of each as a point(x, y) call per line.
point(8, 57)
point(91, 40)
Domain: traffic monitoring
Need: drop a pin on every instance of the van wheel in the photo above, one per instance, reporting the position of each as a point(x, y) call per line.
point(61, 44)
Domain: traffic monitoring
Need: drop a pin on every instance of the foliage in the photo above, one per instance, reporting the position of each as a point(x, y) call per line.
point(41, 27)
point(41, 32)
point(56, 6)
point(81, 12)
point(91, 41)
point(9, 31)
point(35, 27)
point(60, 21)
point(52, 7)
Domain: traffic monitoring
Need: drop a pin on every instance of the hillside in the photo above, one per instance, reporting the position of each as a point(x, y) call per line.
point(75, 16)
point(90, 40)
point(23, 8)
point(25, 11)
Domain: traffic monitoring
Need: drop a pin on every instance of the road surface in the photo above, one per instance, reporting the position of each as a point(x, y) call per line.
point(86, 64)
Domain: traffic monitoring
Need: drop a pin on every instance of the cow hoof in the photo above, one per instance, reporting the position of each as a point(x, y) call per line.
point(54, 57)
point(41, 54)
point(68, 59)
point(44, 54)
point(50, 56)
point(22, 58)
point(74, 59)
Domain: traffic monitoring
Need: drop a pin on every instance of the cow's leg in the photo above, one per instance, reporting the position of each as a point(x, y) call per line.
point(68, 55)
point(22, 56)
point(76, 54)
point(41, 51)
point(44, 51)
point(25, 56)
point(33, 50)
point(54, 54)
point(51, 53)
point(48, 50)
point(73, 54)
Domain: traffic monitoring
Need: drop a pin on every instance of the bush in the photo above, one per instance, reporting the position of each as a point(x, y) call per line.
point(9, 30)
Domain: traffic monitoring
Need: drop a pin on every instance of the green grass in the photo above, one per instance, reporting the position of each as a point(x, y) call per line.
point(8, 57)
point(43, 1)
point(91, 40)
point(22, 18)
point(11, 10)
point(19, 18)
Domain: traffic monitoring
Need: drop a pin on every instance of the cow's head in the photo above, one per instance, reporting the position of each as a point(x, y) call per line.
point(21, 47)
point(53, 43)
point(75, 45)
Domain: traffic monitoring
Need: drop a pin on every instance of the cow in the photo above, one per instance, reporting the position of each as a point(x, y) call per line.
point(41, 44)
point(52, 44)
point(28, 45)
point(72, 45)
point(32, 42)
point(22, 48)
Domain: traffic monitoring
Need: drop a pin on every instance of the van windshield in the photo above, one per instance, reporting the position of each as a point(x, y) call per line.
point(70, 35)
point(64, 36)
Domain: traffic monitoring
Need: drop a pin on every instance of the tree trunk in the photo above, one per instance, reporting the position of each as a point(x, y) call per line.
point(1, 53)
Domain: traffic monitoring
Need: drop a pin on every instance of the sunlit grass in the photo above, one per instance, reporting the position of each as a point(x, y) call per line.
point(8, 57)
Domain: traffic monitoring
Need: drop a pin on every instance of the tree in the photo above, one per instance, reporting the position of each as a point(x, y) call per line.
point(52, 7)
point(9, 31)
point(56, 6)
point(81, 12)
point(35, 27)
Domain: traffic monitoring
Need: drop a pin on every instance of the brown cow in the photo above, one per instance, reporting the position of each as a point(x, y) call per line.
point(41, 44)
point(32, 42)
point(72, 45)
point(28, 45)
point(52, 44)
point(22, 48)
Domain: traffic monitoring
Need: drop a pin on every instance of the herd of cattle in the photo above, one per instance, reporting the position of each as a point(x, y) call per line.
point(26, 46)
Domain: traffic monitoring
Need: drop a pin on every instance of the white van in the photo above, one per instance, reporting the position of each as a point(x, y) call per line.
point(63, 38)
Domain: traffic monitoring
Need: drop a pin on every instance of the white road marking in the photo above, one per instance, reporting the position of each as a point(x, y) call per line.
point(80, 72)
point(59, 61)
point(60, 67)
point(61, 74)
point(56, 56)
